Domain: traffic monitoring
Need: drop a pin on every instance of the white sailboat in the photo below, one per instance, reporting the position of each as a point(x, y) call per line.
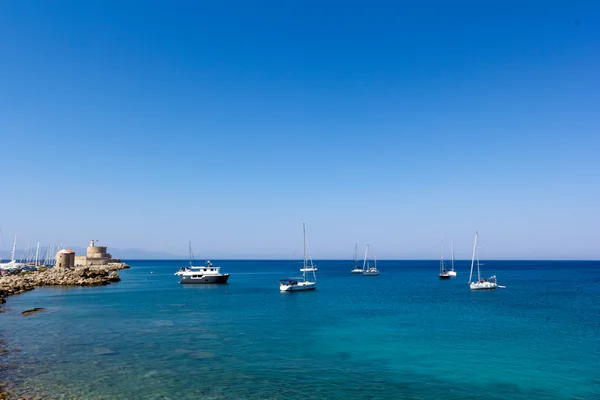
point(12, 264)
point(443, 273)
point(357, 269)
point(306, 267)
point(452, 272)
point(367, 270)
point(481, 284)
point(298, 284)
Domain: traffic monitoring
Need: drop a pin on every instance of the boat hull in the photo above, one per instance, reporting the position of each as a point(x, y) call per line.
point(357, 271)
point(483, 285)
point(205, 280)
point(301, 286)
point(370, 273)
point(444, 276)
point(308, 269)
point(452, 273)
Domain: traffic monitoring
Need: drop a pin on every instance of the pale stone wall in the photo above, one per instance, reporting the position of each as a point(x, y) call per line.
point(65, 260)
point(97, 252)
point(96, 255)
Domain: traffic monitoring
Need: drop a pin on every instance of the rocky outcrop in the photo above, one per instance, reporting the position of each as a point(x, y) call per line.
point(80, 276)
point(33, 310)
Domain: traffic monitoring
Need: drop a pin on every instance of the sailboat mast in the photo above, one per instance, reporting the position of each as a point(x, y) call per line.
point(452, 249)
point(442, 259)
point(190, 249)
point(478, 273)
point(304, 260)
point(355, 254)
point(473, 258)
point(37, 253)
point(365, 261)
point(12, 257)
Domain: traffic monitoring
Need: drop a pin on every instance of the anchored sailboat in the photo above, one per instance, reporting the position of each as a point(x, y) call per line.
point(367, 270)
point(306, 267)
point(297, 284)
point(357, 269)
point(443, 273)
point(12, 264)
point(481, 284)
point(452, 272)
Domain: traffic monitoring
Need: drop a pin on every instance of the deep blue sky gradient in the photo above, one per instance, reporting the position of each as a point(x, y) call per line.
point(229, 123)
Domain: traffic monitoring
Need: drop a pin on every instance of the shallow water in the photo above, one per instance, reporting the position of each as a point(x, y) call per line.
point(401, 335)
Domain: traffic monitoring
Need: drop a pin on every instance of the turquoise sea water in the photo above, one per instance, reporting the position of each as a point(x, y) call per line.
point(401, 335)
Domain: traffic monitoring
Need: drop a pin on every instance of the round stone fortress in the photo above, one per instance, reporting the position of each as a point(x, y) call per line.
point(95, 255)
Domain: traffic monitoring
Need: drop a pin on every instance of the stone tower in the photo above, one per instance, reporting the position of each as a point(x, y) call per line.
point(65, 258)
point(97, 255)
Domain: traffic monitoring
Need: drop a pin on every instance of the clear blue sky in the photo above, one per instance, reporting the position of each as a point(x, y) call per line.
point(145, 125)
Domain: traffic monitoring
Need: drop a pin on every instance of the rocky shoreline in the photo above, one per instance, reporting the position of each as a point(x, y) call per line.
point(96, 275)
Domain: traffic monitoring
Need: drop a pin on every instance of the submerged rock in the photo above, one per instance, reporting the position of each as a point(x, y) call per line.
point(103, 351)
point(33, 310)
point(202, 355)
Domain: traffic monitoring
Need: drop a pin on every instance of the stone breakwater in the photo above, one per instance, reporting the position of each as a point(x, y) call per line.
point(79, 276)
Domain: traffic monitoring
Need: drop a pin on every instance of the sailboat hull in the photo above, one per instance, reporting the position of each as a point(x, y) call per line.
point(483, 285)
point(301, 286)
point(371, 273)
point(452, 273)
point(444, 276)
point(357, 271)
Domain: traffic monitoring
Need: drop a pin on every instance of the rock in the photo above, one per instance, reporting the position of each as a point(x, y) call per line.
point(114, 277)
point(103, 351)
point(33, 310)
point(80, 276)
point(202, 355)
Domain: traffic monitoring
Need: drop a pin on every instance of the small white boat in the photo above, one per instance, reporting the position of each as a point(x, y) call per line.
point(357, 269)
point(367, 270)
point(296, 284)
point(299, 284)
point(452, 272)
point(443, 273)
point(12, 265)
point(481, 283)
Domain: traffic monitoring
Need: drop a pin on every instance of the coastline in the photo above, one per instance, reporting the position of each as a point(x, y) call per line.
point(94, 275)
point(10, 285)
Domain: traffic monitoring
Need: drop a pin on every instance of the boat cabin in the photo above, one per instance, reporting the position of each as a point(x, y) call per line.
point(289, 281)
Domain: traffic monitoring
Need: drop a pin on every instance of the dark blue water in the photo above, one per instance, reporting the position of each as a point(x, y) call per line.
point(401, 335)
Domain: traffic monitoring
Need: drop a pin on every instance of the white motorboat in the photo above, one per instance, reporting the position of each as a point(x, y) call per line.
point(206, 274)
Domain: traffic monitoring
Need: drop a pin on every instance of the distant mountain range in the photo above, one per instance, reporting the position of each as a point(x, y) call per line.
point(125, 254)
point(142, 254)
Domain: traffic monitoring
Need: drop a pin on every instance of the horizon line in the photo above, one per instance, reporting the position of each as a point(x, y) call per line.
point(345, 259)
